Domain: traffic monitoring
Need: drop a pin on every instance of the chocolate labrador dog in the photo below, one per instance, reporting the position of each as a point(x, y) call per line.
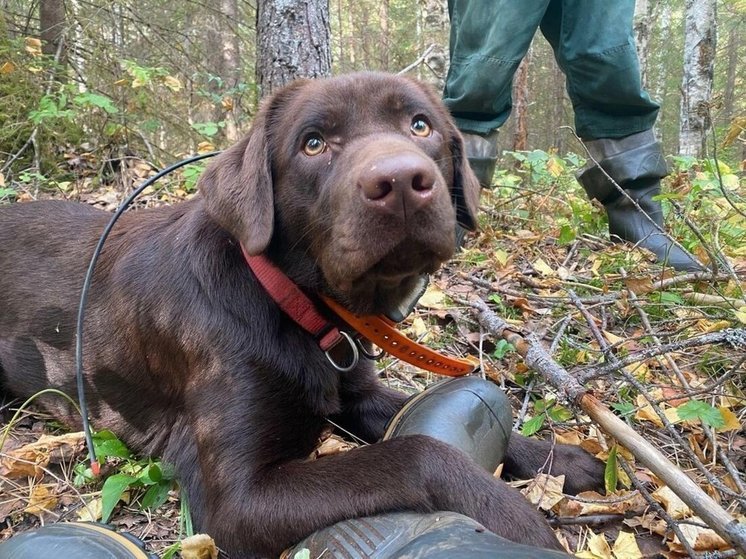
point(352, 187)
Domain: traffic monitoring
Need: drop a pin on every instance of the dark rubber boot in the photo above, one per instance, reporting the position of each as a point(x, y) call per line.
point(469, 413)
point(637, 165)
point(79, 540)
point(481, 152)
point(409, 535)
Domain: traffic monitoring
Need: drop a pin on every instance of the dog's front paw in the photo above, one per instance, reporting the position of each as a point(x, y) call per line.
point(582, 471)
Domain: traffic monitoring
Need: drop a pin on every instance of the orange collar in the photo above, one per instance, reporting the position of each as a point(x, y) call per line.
point(382, 332)
point(376, 329)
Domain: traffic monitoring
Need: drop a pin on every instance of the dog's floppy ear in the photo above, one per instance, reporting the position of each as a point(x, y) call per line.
point(465, 192)
point(237, 186)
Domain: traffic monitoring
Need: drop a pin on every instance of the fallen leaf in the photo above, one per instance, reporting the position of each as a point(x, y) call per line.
point(674, 506)
point(92, 511)
point(545, 491)
point(41, 500)
point(543, 268)
point(172, 83)
point(646, 412)
point(433, 298)
point(501, 257)
point(731, 421)
point(7, 68)
point(639, 286)
point(332, 445)
point(598, 548)
point(29, 460)
point(205, 147)
point(418, 329)
point(701, 539)
point(198, 546)
point(33, 46)
point(625, 547)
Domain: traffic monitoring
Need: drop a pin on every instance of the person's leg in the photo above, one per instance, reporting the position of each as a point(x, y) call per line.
point(489, 38)
point(614, 116)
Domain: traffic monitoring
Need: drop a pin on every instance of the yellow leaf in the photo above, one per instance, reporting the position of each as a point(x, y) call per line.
point(7, 68)
point(625, 547)
point(199, 546)
point(137, 82)
point(545, 491)
point(33, 46)
point(613, 338)
point(598, 548)
point(227, 103)
point(543, 268)
point(41, 500)
point(701, 539)
point(501, 256)
point(554, 166)
point(418, 328)
point(205, 147)
point(172, 83)
point(741, 315)
point(674, 506)
point(646, 412)
point(123, 81)
point(433, 298)
point(732, 423)
point(91, 512)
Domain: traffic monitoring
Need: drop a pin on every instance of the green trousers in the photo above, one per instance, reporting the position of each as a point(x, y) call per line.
point(594, 46)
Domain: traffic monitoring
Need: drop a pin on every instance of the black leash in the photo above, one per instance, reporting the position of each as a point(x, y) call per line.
point(95, 466)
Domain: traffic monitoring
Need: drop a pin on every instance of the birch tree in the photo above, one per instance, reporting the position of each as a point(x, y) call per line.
point(699, 66)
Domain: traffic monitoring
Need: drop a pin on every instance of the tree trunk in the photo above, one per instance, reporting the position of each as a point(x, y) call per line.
point(231, 67)
point(435, 27)
point(699, 62)
point(383, 15)
point(292, 42)
point(558, 111)
point(52, 27)
point(520, 105)
point(730, 82)
point(643, 14)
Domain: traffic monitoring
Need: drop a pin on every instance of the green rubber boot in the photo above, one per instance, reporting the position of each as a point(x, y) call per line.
point(74, 540)
point(481, 152)
point(636, 164)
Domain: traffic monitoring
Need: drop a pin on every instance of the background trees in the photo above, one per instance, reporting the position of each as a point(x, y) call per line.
point(156, 79)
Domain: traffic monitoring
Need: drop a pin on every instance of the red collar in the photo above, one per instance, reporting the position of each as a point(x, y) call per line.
point(377, 329)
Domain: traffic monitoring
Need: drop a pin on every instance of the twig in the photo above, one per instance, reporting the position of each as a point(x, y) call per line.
point(659, 510)
point(568, 388)
point(419, 61)
point(733, 336)
point(611, 358)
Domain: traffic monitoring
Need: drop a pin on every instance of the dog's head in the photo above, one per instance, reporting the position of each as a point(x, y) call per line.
point(352, 185)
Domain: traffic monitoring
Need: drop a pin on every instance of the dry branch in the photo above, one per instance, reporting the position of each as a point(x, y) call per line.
point(536, 357)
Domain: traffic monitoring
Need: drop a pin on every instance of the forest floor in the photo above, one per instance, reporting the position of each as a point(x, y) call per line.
point(662, 350)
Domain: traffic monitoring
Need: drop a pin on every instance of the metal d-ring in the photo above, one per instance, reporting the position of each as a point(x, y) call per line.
point(367, 354)
point(355, 354)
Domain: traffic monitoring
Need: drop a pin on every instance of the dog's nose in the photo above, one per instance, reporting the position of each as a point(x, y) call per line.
point(400, 183)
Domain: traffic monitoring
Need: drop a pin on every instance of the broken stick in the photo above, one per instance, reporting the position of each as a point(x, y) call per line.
point(536, 357)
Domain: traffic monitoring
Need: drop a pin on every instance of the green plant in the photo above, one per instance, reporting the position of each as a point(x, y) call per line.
point(151, 478)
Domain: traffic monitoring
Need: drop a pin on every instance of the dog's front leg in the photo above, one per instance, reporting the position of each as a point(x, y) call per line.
point(367, 405)
point(281, 504)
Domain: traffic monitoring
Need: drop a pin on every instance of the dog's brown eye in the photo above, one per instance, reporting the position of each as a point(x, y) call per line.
point(315, 145)
point(420, 127)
